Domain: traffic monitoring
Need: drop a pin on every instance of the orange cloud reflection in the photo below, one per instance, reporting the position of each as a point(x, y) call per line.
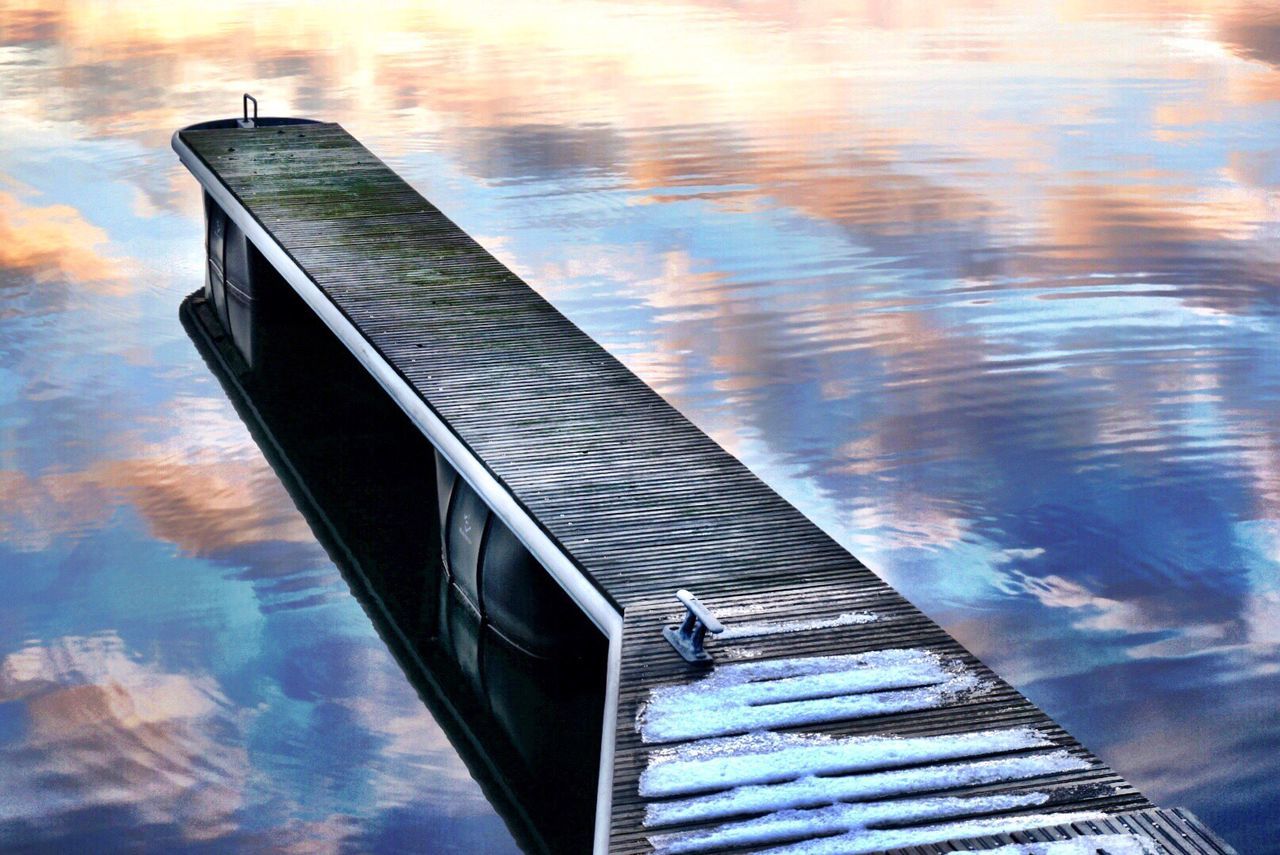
point(106, 731)
point(206, 508)
point(55, 242)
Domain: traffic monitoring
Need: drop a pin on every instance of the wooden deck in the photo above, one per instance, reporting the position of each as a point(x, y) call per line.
point(639, 502)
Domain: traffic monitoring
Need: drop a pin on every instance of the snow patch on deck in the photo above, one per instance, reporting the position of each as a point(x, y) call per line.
point(756, 630)
point(814, 791)
point(764, 758)
point(749, 696)
point(860, 827)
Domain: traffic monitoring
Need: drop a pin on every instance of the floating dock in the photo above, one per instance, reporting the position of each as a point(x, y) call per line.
point(832, 715)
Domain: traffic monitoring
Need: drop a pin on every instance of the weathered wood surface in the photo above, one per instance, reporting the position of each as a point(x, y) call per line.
point(639, 498)
point(648, 663)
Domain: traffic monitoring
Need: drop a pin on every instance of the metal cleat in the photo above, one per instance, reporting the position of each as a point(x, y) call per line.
point(698, 621)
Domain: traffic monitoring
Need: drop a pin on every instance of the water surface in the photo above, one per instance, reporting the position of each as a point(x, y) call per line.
point(989, 289)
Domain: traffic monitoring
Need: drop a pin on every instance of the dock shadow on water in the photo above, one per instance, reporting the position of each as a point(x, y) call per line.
point(503, 660)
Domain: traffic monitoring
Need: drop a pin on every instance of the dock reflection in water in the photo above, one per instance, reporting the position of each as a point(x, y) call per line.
point(522, 707)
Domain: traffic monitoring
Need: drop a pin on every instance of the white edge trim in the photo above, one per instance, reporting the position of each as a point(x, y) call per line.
point(500, 501)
